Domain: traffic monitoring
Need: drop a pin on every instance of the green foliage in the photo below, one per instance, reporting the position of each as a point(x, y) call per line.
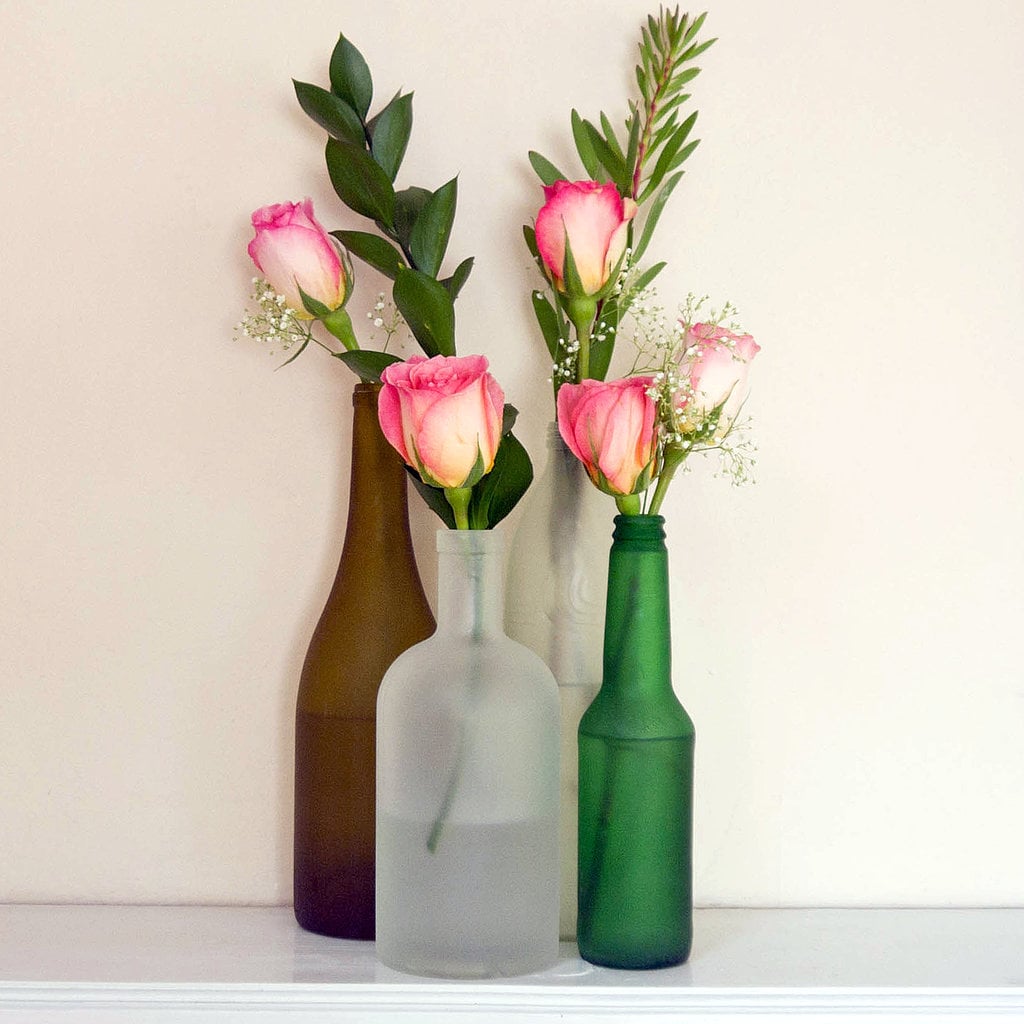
point(367, 363)
point(644, 163)
point(364, 156)
point(428, 309)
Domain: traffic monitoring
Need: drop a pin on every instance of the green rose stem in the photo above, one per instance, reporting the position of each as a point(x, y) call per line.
point(458, 498)
point(673, 458)
point(339, 323)
point(582, 311)
point(476, 635)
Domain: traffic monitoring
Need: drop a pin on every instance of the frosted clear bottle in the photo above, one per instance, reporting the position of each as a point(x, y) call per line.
point(555, 598)
point(467, 786)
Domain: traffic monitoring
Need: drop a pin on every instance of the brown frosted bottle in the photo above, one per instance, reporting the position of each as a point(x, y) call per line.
point(375, 610)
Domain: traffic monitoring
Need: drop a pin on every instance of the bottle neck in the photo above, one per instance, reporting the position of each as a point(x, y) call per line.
point(637, 644)
point(378, 512)
point(470, 589)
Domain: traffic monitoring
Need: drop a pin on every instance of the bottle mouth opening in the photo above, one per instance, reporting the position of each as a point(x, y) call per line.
point(641, 527)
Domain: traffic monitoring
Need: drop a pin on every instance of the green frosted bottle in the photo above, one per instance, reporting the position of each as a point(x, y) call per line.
point(636, 772)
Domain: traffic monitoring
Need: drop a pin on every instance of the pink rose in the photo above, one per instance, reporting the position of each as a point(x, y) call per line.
point(292, 251)
point(596, 220)
point(609, 427)
point(443, 416)
point(716, 364)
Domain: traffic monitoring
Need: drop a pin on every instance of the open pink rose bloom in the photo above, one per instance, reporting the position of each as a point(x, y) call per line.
point(291, 250)
point(717, 365)
point(595, 218)
point(609, 427)
point(443, 416)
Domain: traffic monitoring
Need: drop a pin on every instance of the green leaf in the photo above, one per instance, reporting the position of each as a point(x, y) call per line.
point(668, 154)
point(509, 415)
point(653, 213)
point(295, 355)
point(350, 77)
point(584, 147)
point(603, 152)
point(428, 239)
point(550, 324)
point(331, 112)
point(367, 363)
point(372, 249)
point(500, 490)
point(679, 79)
point(530, 235)
point(694, 28)
point(601, 349)
point(546, 170)
point(610, 138)
point(434, 497)
point(428, 310)
point(632, 147)
point(458, 279)
point(360, 182)
point(391, 130)
point(647, 277)
point(696, 50)
point(408, 204)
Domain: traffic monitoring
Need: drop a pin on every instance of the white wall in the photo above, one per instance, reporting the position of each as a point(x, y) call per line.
point(847, 632)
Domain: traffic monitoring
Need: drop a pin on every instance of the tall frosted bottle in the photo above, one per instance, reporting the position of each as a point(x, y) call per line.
point(467, 786)
point(375, 610)
point(636, 746)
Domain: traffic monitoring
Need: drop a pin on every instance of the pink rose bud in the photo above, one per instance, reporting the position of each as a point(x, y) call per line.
point(443, 416)
point(595, 218)
point(292, 251)
point(609, 427)
point(716, 364)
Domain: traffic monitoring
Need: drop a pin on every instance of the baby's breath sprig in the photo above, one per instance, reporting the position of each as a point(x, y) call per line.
point(667, 352)
point(276, 324)
point(385, 317)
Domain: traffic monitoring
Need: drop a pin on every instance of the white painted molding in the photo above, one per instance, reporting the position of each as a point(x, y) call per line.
point(213, 965)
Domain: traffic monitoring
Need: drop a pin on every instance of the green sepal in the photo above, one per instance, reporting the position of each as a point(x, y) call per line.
point(350, 77)
point(409, 204)
point(584, 147)
point(571, 281)
point(390, 133)
point(360, 182)
point(545, 169)
point(314, 307)
point(331, 112)
point(500, 490)
point(367, 363)
point(549, 321)
point(434, 497)
point(428, 310)
point(653, 214)
point(429, 237)
point(372, 249)
point(454, 283)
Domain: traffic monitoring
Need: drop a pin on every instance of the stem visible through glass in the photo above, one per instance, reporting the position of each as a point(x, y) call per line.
point(476, 645)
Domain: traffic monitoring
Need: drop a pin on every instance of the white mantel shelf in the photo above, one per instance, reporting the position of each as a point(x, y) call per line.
point(200, 965)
